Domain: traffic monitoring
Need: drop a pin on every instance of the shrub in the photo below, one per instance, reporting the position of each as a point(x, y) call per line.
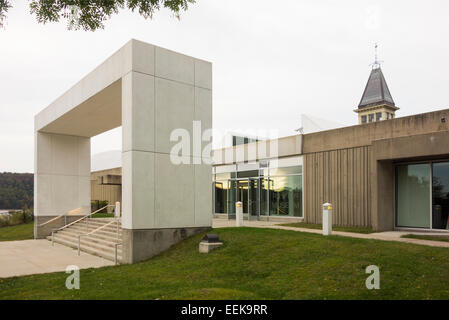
point(16, 217)
point(97, 204)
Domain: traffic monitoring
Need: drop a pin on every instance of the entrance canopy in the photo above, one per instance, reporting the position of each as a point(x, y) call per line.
point(150, 92)
point(95, 115)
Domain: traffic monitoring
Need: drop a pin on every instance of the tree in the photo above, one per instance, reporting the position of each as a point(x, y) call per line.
point(16, 190)
point(91, 14)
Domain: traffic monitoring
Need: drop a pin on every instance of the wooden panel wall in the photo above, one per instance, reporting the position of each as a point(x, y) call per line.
point(341, 177)
point(111, 193)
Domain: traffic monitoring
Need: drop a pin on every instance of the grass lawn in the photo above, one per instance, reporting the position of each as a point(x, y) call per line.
point(319, 226)
point(258, 263)
point(424, 237)
point(18, 232)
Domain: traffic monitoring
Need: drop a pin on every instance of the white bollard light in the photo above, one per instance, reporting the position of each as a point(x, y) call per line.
point(327, 219)
point(117, 210)
point(238, 214)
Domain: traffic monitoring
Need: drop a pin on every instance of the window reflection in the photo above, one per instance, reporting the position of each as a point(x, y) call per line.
point(231, 196)
point(440, 196)
point(413, 195)
point(284, 171)
point(274, 191)
point(221, 196)
point(264, 197)
point(285, 195)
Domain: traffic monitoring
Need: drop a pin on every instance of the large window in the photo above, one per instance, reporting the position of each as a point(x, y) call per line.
point(440, 195)
point(378, 116)
point(221, 196)
point(264, 197)
point(286, 195)
point(285, 171)
point(232, 196)
point(248, 174)
point(422, 195)
point(413, 195)
point(263, 191)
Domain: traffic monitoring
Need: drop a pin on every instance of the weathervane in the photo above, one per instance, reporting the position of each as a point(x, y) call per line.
point(376, 63)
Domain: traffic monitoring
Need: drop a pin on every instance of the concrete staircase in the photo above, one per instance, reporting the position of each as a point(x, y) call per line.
point(100, 243)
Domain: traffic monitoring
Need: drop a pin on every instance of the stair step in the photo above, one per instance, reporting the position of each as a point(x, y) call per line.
point(101, 245)
point(83, 229)
point(87, 247)
point(96, 223)
point(106, 237)
point(92, 238)
point(94, 248)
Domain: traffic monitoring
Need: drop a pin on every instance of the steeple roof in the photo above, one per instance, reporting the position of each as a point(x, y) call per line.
point(376, 90)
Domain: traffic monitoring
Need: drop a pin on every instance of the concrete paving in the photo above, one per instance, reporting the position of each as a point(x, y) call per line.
point(384, 236)
point(19, 258)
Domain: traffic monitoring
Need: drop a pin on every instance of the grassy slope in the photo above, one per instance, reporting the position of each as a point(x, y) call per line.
point(258, 264)
point(424, 237)
point(18, 232)
point(319, 226)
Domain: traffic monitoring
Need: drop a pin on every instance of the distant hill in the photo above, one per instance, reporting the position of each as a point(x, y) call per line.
point(16, 190)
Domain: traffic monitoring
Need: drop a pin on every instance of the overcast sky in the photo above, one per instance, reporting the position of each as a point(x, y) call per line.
point(272, 61)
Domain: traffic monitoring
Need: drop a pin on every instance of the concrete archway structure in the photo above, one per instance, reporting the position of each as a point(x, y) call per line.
point(149, 91)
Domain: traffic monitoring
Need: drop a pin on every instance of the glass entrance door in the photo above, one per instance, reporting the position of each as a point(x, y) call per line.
point(253, 199)
point(246, 191)
point(232, 191)
point(242, 195)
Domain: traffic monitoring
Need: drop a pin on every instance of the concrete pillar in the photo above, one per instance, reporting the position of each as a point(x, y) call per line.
point(382, 195)
point(61, 180)
point(163, 200)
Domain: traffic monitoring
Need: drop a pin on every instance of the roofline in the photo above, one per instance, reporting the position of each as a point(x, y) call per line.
point(381, 89)
point(386, 85)
point(366, 87)
point(383, 103)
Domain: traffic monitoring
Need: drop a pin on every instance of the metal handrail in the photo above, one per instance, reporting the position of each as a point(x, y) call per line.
point(93, 231)
point(72, 223)
point(53, 219)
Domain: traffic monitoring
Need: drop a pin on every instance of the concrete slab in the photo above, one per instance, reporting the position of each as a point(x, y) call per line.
point(26, 257)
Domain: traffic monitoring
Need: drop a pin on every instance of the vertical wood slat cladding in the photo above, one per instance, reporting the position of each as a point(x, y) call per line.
point(111, 193)
point(342, 178)
point(105, 192)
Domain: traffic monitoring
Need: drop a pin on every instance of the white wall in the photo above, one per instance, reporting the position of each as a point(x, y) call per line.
point(62, 174)
point(162, 96)
point(150, 91)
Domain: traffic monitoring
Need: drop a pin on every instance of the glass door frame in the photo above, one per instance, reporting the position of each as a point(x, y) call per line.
point(231, 200)
point(254, 215)
point(248, 215)
point(430, 162)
